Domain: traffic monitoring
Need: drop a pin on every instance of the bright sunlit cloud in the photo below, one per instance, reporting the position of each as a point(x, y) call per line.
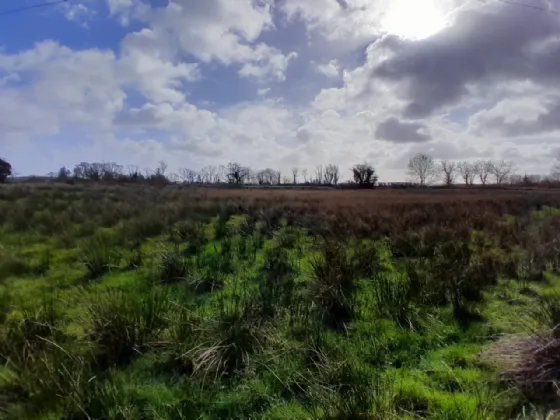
point(414, 19)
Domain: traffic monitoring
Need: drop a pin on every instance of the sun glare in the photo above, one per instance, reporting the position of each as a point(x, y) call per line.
point(414, 19)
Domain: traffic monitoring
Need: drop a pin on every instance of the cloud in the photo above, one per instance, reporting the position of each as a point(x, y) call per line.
point(487, 45)
point(221, 31)
point(79, 13)
point(349, 22)
point(157, 80)
point(330, 69)
point(398, 131)
point(54, 86)
point(197, 82)
point(523, 117)
point(71, 87)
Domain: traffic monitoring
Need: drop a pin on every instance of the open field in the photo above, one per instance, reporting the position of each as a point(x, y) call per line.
point(144, 302)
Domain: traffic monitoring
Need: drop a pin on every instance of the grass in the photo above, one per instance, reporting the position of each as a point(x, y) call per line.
point(277, 304)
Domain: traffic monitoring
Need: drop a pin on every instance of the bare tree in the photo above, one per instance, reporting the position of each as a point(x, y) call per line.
point(482, 168)
point(211, 171)
point(286, 180)
point(501, 170)
point(188, 176)
point(278, 177)
point(514, 179)
point(63, 174)
point(534, 178)
point(304, 173)
point(162, 168)
point(555, 172)
point(295, 171)
point(236, 173)
point(318, 174)
point(134, 173)
point(260, 175)
point(110, 171)
point(467, 172)
point(222, 170)
point(174, 178)
point(449, 170)
point(364, 175)
point(331, 174)
point(204, 176)
point(422, 168)
point(268, 176)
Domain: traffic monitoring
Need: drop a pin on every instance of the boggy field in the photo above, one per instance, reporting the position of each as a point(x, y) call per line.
point(140, 302)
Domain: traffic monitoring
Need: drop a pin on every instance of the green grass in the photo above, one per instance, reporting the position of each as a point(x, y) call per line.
point(181, 315)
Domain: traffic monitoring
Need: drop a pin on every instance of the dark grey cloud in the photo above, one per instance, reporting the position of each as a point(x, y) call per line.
point(398, 131)
point(303, 135)
point(490, 44)
point(342, 4)
point(506, 127)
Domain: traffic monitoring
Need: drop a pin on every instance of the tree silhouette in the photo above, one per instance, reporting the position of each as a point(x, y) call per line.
point(5, 170)
point(364, 175)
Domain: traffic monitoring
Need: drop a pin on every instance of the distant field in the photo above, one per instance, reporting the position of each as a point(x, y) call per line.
point(181, 302)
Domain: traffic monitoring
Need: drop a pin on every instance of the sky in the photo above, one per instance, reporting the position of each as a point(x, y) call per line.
point(278, 84)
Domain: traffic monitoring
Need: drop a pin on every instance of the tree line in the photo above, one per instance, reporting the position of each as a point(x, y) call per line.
point(423, 170)
point(233, 173)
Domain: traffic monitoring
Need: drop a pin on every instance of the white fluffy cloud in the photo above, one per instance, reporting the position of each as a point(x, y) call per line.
point(226, 31)
point(330, 69)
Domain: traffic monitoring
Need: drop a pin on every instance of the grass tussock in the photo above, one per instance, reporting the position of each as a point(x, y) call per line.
point(125, 326)
point(333, 284)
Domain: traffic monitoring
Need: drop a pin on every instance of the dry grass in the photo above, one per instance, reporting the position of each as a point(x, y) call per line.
point(530, 362)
